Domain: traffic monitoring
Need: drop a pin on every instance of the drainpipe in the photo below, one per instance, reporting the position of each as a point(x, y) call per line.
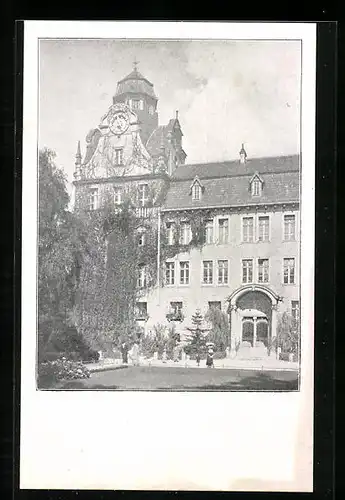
point(158, 255)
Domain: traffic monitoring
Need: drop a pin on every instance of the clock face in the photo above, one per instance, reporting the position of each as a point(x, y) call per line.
point(119, 123)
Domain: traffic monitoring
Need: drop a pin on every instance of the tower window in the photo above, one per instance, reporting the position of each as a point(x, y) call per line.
point(92, 198)
point(117, 195)
point(118, 156)
point(151, 110)
point(143, 195)
point(137, 104)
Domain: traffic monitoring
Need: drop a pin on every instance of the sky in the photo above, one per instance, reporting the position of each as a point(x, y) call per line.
point(227, 93)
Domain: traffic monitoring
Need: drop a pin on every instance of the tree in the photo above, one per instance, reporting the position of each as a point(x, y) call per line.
point(197, 342)
point(58, 256)
point(288, 333)
point(219, 333)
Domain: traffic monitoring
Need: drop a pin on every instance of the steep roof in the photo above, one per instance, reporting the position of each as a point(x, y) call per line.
point(234, 167)
point(159, 137)
point(228, 183)
point(135, 82)
point(157, 140)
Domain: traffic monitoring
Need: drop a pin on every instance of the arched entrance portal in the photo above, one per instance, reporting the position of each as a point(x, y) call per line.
point(255, 308)
point(253, 315)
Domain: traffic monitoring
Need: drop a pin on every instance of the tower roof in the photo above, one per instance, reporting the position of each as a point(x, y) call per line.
point(135, 83)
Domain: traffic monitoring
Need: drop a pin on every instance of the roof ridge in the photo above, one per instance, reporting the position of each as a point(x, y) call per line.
point(226, 176)
point(236, 160)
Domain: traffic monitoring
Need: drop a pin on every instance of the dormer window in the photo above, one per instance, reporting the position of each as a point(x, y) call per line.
point(196, 192)
point(256, 185)
point(196, 189)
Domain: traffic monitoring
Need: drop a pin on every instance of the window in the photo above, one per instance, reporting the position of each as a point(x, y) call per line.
point(223, 271)
point(263, 270)
point(295, 310)
point(289, 227)
point(215, 305)
point(92, 199)
point(170, 273)
point(289, 271)
point(170, 233)
point(196, 191)
point(247, 271)
point(143, 194)
point(184, 273)
point(176, 307)
point(117, 195)
point(223, 230)
point(142, 239)
point(141, 310)
point(137, 104)
point(185, 236)
point(118, 156)
point(248, 229)
point(207, 277)
point(264, 228)
point(209, 231)
point(142, 277)
point(256, 187)
point(151, 110)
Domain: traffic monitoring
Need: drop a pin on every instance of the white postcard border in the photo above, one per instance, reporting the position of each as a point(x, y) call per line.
point(95, 440)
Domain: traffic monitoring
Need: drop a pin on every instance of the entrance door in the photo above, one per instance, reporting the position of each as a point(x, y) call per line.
point(262, 331)
point(248, 331)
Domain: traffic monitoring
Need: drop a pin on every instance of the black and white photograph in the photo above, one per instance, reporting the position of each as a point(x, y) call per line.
point(169, 202)
point(171, 179)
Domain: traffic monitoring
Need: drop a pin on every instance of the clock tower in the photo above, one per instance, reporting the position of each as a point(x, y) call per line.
point(138, 94)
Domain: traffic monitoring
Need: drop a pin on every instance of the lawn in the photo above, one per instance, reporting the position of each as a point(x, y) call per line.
point(146, 378)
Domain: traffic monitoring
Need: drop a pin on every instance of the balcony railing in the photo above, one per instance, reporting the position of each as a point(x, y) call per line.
point(145, 212)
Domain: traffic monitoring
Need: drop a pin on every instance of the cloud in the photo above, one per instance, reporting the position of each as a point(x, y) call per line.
point(226, 92)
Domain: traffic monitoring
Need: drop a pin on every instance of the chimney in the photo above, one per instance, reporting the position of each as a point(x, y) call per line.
point(243, 155)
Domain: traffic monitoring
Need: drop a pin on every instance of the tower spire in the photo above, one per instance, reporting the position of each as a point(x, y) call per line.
point(243, 154)
point(77, 170)
point(78, 155)
point(135, 64)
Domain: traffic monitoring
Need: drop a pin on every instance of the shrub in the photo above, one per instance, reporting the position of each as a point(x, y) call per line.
point(219, 355)
point(61, 369)
point(89, 355)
